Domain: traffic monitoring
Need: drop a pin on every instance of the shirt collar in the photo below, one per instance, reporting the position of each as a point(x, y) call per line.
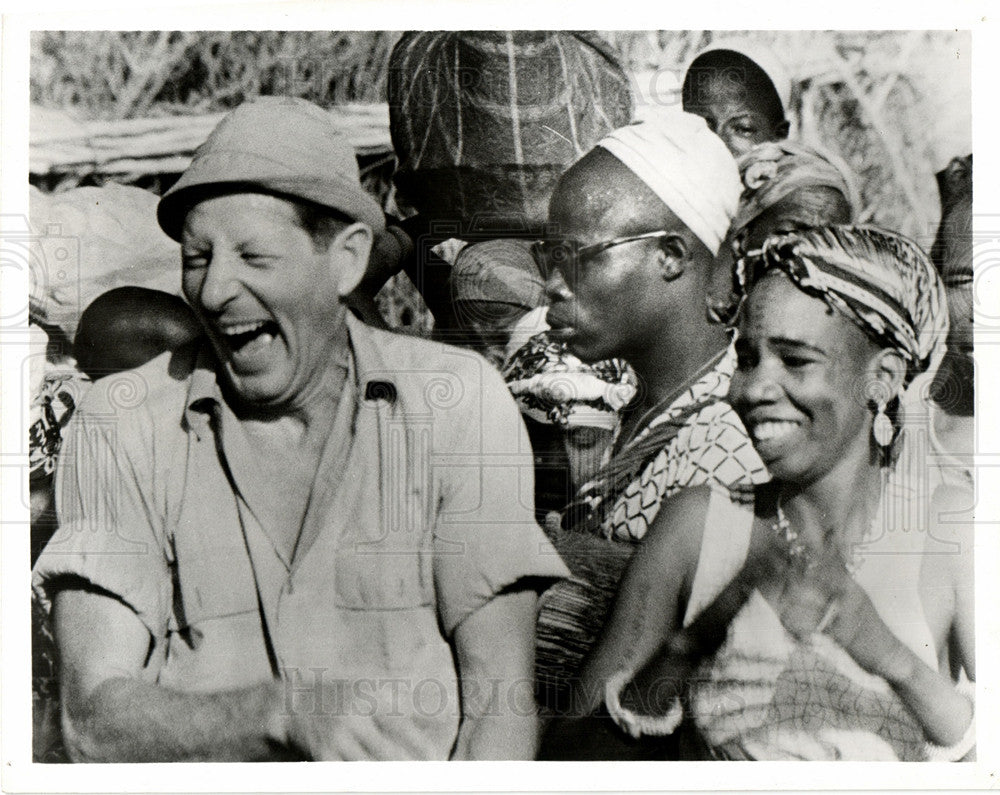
point(375, 380)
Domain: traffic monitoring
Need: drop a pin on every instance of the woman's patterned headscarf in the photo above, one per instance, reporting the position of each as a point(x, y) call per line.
point(881, 281)
point(771, 171)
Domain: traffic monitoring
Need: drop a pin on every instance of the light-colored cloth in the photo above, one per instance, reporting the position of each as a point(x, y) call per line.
point(881, 281)
point(85, 241)
point(711, 446)
point(553, 386)
point(687, 166)
point(760, 54)
point(765, 695)
point(494, 281)
point(773, 170)
point(421, 514)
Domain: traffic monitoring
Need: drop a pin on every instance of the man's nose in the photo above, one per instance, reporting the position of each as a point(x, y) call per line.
point(219, 286)
point(556, 288)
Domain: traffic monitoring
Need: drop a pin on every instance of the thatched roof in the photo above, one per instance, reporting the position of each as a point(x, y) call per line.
point(132, 148)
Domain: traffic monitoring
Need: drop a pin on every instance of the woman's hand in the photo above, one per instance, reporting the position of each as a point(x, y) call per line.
point(818, 594)
point(858, 628)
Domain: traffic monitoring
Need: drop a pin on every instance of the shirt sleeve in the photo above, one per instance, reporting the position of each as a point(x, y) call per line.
point(109, 536)
point(486, 538)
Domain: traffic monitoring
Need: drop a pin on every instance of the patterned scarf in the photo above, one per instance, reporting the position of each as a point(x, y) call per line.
point(881, 281)
point(597, 497)
point(773, 170)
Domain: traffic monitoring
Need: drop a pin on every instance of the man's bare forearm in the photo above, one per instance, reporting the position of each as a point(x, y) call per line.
point(125, 720)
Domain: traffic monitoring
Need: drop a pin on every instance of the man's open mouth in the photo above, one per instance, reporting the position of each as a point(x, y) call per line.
point(241, 336)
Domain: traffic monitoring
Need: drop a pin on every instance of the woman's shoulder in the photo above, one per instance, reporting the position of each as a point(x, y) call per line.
point(696, 515)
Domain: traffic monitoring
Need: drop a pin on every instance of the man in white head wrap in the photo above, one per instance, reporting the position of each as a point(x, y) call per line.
point(636, 224)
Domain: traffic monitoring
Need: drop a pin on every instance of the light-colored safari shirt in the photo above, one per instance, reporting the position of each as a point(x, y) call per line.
point(422, 512)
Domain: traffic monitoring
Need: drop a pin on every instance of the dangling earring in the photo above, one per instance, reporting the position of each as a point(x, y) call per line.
point(882, 428)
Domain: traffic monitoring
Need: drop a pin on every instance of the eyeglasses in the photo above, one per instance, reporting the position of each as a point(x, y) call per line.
point(568, 253)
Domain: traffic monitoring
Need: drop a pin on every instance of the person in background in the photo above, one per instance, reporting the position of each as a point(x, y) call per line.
point(640, 220)
point(477, 162)
point(827, 614)
point(120, 329)
point(483, 124)
point(56, 389)
point(787, 187)
point(952, 391)
point(571, 410)
point(271, 548)
point(741, 90)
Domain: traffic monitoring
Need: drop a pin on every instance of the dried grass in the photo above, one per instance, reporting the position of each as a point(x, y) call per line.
point(894, 105)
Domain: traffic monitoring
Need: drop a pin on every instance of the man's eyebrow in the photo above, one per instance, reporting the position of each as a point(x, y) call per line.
point(788, 342)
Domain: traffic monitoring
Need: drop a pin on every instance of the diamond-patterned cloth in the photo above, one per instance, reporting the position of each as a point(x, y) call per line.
point(710, 446)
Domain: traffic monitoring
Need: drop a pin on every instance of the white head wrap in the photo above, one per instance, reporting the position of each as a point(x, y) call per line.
point(687, 166)
point(760, 54)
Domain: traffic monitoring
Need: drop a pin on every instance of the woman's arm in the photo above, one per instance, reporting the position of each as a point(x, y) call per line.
point(645, 613)
point(820, 596)
point(942, 711)
point(651, 597)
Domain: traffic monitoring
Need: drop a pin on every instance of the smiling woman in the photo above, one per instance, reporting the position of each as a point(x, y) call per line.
point(801, 623)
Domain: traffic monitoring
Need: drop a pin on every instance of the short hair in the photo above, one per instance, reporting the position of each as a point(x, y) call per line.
point(322, 224)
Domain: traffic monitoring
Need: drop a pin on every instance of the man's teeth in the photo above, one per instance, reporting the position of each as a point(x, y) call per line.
point(243, 328)
point(766, 431)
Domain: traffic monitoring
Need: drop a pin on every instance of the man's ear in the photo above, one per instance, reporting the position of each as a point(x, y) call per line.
point(350, 251)
point(673, 256)
point(888, 370)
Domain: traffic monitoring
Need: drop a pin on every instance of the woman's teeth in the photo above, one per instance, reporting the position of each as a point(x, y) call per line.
point(769, 431)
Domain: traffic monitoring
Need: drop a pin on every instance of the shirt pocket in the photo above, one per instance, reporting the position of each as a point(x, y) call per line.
point(371, 577)
point(385, 596)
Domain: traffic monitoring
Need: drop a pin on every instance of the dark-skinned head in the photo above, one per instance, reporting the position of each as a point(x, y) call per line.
point(620, 301)
point(736, 98)
point(803, 208)
point(128, 326)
